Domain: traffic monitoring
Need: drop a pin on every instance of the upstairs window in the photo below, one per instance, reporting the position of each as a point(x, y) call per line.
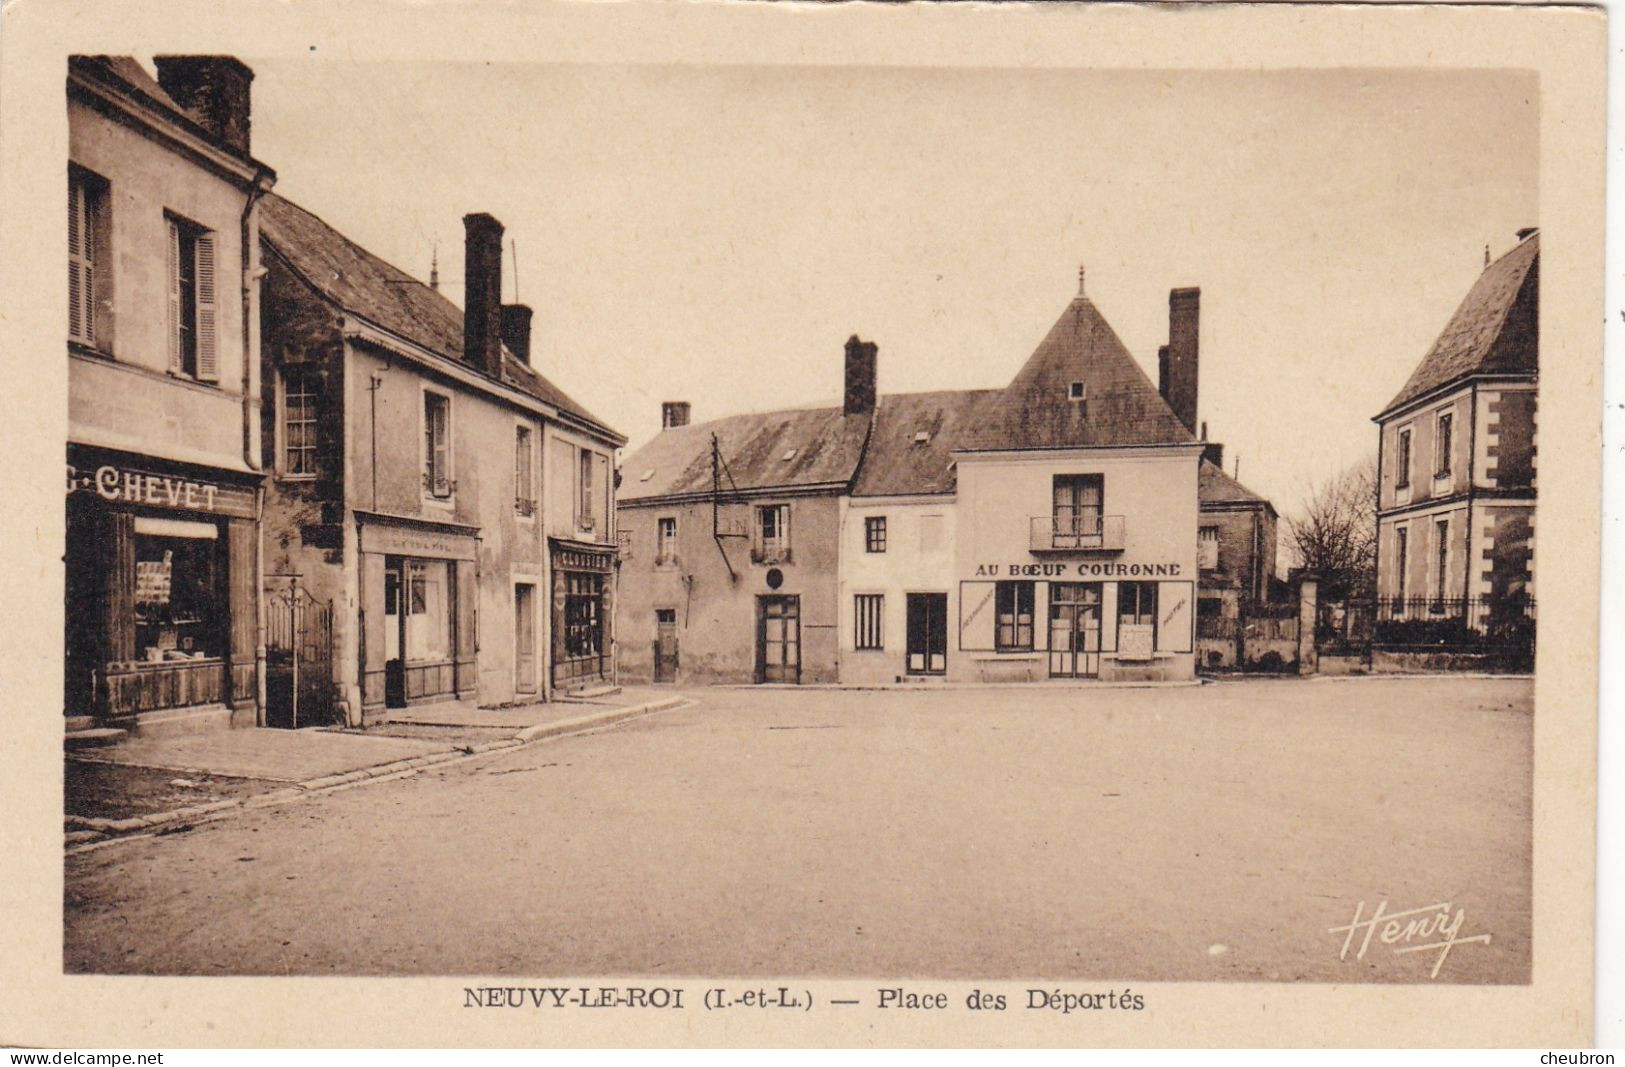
point(524, 465)
point(584, 515)
point(1207, 546)
point(874, 533)
point(437, 446)
point(299, 421)
point(193, 315)
point(1402, 460)
point(87, 258)
point(666, 540)
point(1441, 445)
point(1078, 501)
point(772, 535)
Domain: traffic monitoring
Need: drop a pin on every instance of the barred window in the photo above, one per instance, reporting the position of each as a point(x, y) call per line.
point(869, 631)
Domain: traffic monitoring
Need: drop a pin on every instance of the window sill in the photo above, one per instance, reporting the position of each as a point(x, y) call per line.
point(282, 477)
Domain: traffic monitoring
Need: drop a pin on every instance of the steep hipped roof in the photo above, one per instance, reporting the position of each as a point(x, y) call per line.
point(1216, 487)
point(1122, 406)
point(1494, 331)
point(364, 285)
point(898, 461)
point(769, 450)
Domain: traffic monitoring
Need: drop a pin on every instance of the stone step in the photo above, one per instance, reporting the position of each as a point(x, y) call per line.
point(78, 722)
point(94, 737)
point(593, 692)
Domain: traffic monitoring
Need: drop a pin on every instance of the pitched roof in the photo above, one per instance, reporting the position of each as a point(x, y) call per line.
point(898, 462)
point(361, 283)
point(1213, 486)
point(768, 450)
point(1494, 330)
point(1122, 406)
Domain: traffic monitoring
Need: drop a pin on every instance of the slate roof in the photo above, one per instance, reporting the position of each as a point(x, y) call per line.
point(897, 463)
point(823, 445)
point(1123, 406)
point(1494, 331)
point(137, 81)
point(1213, 486)
point(364, 285)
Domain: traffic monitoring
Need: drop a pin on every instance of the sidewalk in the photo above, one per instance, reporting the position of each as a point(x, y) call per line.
point(167, 783)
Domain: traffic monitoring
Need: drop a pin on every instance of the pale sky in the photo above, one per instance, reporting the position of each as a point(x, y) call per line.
point(714, 234)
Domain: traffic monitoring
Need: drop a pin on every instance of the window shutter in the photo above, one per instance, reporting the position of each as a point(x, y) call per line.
point(208, 358)
point(174, 297)
point(601, 490)
point(81, 276)
point(784, 532)
point(442, 448)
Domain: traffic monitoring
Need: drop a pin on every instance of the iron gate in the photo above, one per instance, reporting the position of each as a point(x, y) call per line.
point(298, 659)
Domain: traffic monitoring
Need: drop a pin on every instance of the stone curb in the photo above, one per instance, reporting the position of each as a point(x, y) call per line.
point(90, 832)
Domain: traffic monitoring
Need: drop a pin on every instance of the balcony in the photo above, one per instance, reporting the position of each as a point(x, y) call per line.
point(1080, 533)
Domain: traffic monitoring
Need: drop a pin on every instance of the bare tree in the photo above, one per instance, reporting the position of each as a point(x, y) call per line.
point(1335, 534)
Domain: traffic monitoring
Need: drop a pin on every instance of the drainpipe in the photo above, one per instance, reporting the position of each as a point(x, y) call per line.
point(251, 275)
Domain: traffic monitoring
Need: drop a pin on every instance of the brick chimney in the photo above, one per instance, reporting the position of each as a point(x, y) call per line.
point(482, 293)
point(516, 330)
point(1177, 363)
point(861, 357)
point(214, 90)
point(674, 413)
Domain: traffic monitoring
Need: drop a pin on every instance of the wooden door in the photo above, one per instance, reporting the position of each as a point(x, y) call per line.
point(778, 639)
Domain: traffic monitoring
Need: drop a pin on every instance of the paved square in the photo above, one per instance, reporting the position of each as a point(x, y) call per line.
point(1218, 832)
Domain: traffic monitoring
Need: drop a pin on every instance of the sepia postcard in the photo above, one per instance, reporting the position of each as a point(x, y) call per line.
point(798, 524)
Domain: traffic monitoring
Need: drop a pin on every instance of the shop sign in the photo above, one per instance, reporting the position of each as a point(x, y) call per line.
point(403, 541)
point(1065, 571)
point(130, 486)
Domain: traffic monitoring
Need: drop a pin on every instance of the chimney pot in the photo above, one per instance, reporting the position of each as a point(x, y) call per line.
point(1179, 382)
point(674, 413)
point(1080, 279)
point(482, 293)
point(214, 90)
point(861, 359)
point(516, 330)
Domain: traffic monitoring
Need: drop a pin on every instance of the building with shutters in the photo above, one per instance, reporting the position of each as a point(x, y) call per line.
point(1456, 460)
point(1048, 529)
point(453, 506)
point(163, 463)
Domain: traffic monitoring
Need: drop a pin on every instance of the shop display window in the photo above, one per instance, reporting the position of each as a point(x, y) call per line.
point(179, 614)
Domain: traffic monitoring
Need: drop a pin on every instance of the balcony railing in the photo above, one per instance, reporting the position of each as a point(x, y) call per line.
point(1079, 533)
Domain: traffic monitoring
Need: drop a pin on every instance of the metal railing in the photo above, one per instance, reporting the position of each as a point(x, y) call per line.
point(1077, 533)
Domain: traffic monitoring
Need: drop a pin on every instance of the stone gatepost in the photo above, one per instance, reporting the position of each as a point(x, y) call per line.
point(1308, 598)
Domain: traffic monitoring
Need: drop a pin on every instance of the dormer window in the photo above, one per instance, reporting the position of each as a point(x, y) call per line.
point(922, 437)
point(1076, 391)
point(788, 456)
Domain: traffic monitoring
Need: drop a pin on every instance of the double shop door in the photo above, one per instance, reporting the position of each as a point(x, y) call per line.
point(927, 644)
point(1074, 630)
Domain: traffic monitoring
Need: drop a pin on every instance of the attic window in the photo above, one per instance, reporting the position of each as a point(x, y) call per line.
point(788, 456)
point(921, 437)
point(1076, 391)
point(646, 475)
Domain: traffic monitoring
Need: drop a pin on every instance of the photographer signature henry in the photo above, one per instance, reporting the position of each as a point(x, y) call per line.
point(1435, 928)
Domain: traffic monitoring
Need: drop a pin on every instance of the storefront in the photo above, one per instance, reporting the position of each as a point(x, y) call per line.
point(583, 612)
point(419, 588)
point(161, 589)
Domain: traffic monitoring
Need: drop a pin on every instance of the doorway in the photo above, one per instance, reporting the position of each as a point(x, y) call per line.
point(927, 633)
point(778, 639)
point(526, 677)
point(665, 644)
point(1074, 630)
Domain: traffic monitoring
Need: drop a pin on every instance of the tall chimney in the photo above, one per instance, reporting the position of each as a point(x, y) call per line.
point(516, 330)
point(861, 357)
point(482, 293)
point(214, 90)
point(674, 413)
point(1179, 383)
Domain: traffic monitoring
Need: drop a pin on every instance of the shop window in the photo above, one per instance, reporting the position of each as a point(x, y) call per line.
point(772, 538)
point(179, 614)
point(1441, 445)
point(1402, 460)
point(437, 481)
point(868, 631)
point(1013, 606)
point(299, 421)
point(524, 466)
point(193, 315)
point(666, 532)
point(874, 533)
point(88, 257)
point(1137, 603)
point(428, 625)
point(583, 632)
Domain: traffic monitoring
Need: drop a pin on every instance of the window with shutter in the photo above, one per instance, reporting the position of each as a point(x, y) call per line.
point(84, 212)
point(437, 481)
point(175, 363)
point(194, 344)
point(207, 356)
point(584, 510)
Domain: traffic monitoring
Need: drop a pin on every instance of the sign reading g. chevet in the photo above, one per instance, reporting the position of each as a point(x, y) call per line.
point(133, 486)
